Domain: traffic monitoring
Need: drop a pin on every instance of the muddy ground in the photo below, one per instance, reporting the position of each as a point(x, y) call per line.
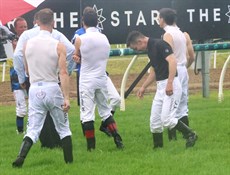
point(195, 84)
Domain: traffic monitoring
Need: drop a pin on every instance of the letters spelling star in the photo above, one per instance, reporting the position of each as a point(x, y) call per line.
point(101, 18)
point(228, 13)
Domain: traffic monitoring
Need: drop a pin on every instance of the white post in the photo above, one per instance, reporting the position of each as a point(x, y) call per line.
point(123, 83)
point(3, 71)
point(214, 60)
point(220, 94)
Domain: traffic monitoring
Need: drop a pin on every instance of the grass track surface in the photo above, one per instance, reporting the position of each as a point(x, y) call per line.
point(210, 156)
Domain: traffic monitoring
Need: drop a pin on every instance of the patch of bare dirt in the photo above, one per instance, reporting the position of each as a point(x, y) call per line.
point(195, 84)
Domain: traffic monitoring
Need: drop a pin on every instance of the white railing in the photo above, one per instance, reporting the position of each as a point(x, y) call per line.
point(124, 80)
point(221, 81)
point(3, 68)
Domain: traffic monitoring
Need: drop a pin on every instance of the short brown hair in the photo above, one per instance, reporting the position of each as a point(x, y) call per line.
point(169, 15)
point(89, 17)
point(45, 16)
point(18, 19)
point(133, 37)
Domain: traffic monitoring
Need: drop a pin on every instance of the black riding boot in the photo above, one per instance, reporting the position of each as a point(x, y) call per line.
point(49, 137)
point(157, 140)
point(112, 112)
point(90, 135)
point(67, 149)
point(82, 127)
point(25, 147)
point(189, 135)
point(172, 134)
point(104, 129)
point(112, 127)
point(185, 120)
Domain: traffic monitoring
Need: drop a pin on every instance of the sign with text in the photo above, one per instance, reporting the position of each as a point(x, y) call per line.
point(200, 19)
point(204, 19)
point(116, 18)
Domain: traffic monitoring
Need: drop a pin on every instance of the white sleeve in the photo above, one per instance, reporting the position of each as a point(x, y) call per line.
point(18, 58)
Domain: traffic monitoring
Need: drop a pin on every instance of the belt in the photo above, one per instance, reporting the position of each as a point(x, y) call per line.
point(42, 83)
point(181, 65)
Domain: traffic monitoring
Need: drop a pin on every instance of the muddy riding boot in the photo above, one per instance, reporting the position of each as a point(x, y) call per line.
point(157, 140)
point(25, 147)
point(90, 135)
point(112, 127)
point(190, 135)
point(67, 149)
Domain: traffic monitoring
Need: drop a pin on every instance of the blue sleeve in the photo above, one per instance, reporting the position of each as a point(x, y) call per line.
point(14, 80)
point(78, 32)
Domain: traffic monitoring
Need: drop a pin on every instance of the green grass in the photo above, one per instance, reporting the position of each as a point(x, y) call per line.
point(210, 156)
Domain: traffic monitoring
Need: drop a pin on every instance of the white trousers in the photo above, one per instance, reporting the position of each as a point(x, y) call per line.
point(44, 97)
point(164, 107)
point(113, 95)
point(183, 78)
point(20, 100)
point(94, 93)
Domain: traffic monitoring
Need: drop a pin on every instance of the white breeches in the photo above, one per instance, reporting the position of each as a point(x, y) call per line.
point(183, 78)
point(164, 107)
point(20, 100)
point(44, 97)
point(113, 95)
point(91, 94)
